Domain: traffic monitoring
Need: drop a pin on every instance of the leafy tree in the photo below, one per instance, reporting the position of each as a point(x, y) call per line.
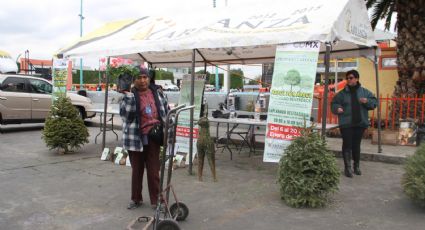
point(410, 29)
point(307, 172)
point(236, 78)
point(220, 79)
point(164, 75)
point(90, 77)
point(292, 78)
point(255, 81)
point(64, 129)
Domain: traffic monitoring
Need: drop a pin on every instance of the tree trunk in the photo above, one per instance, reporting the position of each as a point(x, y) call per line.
point(410, 57)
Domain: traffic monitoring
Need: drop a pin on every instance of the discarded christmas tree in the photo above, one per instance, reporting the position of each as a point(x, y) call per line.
point(64, 130)
point(413, 181)
point(307, 172)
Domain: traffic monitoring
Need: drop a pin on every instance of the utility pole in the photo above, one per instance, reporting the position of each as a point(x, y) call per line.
point(217, 79)
point(81, 34)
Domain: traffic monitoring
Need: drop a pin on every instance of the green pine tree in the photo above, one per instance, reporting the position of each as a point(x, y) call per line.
point(413, 181)
point(307, 172)
point(64, 129)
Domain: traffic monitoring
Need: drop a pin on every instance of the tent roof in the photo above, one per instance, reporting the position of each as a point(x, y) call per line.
point(245, 35)
point(4, 53)
point(381, 35)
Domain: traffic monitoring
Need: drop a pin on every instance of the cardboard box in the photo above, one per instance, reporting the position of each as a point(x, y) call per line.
point(388, 137)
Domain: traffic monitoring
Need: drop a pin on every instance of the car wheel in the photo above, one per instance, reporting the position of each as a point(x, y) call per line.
point(80, 112)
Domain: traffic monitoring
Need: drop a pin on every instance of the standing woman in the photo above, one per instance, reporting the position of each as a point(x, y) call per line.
point(142, 108)
point(351, 105)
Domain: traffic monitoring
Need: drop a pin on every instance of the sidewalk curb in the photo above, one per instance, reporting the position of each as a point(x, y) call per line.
point(375, 157)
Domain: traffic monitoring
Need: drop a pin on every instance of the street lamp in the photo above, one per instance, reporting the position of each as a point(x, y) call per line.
point(81, 34)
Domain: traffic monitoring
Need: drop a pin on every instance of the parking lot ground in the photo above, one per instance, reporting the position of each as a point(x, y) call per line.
point(43, 190)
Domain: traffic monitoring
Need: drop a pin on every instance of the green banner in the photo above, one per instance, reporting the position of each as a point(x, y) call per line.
point(59, 78)
point(291, 96)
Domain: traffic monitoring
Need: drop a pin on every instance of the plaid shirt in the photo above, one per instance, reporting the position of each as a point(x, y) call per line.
point(131, 118)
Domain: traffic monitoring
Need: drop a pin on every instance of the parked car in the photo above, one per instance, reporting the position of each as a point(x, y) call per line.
point(27, 99)
point(209, 88)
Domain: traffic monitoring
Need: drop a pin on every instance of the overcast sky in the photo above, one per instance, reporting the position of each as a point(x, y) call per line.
point(44, 26)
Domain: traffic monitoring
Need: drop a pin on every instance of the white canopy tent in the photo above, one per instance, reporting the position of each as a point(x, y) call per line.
point(245, 35)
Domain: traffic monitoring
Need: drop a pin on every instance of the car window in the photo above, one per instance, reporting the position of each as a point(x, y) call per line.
point(39, 86)
point(13, 84)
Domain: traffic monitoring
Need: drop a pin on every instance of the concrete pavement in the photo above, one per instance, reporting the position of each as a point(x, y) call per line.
point(43, 190)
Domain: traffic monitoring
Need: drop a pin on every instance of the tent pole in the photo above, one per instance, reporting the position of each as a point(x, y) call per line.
point(105, 106)
point(325, 99)
point(379, 104)
point(192, 102)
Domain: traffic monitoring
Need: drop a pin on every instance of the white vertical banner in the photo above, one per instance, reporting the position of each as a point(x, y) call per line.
point(59, 78)
point(291, 96)
point(183, 126)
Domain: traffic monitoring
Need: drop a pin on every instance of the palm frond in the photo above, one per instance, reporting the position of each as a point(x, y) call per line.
point(382, 9)
point(370, 3)
point(391, 10)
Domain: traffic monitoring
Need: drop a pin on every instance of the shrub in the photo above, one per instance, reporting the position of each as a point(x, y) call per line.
point(64, 129)
point(413, 180)
point(307, 172)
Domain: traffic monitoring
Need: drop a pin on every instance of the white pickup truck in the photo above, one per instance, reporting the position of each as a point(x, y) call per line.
point(167, 85)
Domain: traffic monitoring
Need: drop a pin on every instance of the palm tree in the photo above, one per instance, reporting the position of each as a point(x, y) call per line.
point(410, 27)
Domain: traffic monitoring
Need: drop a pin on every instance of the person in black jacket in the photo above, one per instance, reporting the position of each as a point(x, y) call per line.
point(352, 105)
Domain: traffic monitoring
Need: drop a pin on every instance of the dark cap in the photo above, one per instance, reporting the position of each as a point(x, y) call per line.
point(353, 72)
point(144, 71)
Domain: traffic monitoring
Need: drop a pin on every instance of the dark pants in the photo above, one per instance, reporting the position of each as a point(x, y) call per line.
point(351, 139)
point(149, 158)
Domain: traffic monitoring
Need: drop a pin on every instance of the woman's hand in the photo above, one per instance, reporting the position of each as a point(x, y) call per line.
point(125, 92)
point(340, 110)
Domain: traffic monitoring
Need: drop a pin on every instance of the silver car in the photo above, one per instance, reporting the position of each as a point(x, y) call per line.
point(27, 99)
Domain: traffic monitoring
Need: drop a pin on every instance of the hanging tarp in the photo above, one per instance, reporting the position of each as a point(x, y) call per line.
point(247, 34)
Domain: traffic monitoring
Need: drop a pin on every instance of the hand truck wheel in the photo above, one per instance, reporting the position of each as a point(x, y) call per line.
point(180, 211)
point(168, 224)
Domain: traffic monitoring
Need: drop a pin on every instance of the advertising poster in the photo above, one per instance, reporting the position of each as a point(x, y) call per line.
point(407, 133)
point(291, 96)
point(183, 126)
point(60, 77)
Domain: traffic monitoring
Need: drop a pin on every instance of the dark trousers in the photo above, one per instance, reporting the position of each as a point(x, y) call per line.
point(149, 158)
point(351, 140)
